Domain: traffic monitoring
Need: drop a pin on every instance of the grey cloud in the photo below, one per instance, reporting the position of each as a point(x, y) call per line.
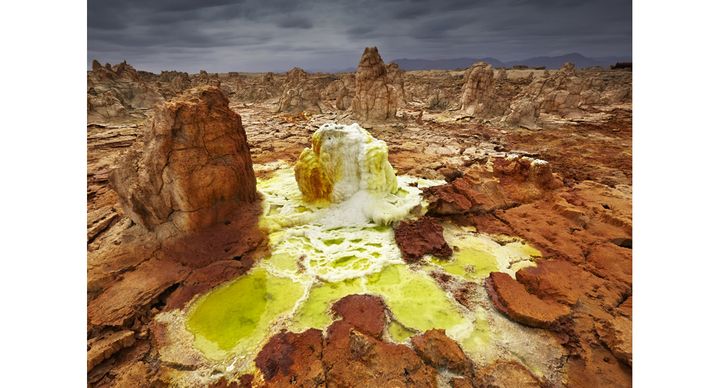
point(259, 35)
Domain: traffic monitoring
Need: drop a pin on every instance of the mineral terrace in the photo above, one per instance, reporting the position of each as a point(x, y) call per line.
point(468, 228)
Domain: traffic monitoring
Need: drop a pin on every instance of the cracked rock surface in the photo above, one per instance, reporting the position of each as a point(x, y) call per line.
point(193, 167)
point(184, 220)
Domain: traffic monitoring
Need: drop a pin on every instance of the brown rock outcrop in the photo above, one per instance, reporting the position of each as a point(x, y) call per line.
point(354, 354)
point(376, 94)
point(506, 374)
point(364, 312)
point(341, 91)
point(299, 94)
point(127, 298)
point(194, 167)
point(617, 336)
point(421, 237)
point(102, 348)
point(553, 280)
point(512, 299)
point(463, 196)
point(438, 350)
point(498, 184)
point(120, 85)
point(104, 106)
point(174, 82)
point(396, 78)
point(523, 112)
point(293, 360)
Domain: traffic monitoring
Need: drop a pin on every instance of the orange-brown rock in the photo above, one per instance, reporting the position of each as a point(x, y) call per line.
point(194, 167)
point(506, 374)
point(625, 307)
point(364, 312)
point(354, 359)
point(556, 280)
point(610, 261)
point(463, 196)
point(420, 237)
point(438, 350)
point(512, 299)
point(376, 95)
point(616, 334)
point(523, 179)
point(293, 360)
point(353, 356)
point(130, 296)
point(461, 382)
point(498, 184)
point(244, 381)
point(102, 348)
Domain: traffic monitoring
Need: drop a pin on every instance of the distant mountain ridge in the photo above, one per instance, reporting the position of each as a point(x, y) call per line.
point(550, 62)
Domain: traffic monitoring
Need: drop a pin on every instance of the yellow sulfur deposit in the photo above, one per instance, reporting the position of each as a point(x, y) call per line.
point(343, 160)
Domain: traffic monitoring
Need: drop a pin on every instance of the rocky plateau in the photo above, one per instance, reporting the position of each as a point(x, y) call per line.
point(514, 269)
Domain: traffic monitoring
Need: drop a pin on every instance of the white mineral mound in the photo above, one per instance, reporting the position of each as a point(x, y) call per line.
point(343, 160)
point(349, 169)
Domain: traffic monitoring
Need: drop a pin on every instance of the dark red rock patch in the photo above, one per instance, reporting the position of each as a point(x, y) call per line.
point(421, 237)
point(291, 359)
point(364, 312)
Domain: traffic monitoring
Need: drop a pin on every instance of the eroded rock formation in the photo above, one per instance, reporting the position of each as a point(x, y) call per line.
point(340, 92)
point(114, 90)
point(377, 93)
point(500, 183)
point(193, 168)
point(477, 89)
point(299, 94)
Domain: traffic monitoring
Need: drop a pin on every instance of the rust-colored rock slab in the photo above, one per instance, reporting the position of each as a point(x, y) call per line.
point(355, 356)
point(293, 360)
point(554, 280)
point(364, 312)
point(506, 374)
point(420, 237)
point(438, 350)
point(104, 347)
point(617, 336)
point(610, 261)
point(134, 292)
point(512, 299)
point(352, 358)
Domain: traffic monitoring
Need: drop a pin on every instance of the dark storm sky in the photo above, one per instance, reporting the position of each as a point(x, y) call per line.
point(275, 35)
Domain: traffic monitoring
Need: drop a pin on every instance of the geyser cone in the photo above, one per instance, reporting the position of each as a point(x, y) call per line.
point(344, 159)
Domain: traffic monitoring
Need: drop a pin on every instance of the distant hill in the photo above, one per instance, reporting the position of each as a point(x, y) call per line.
point(550, 62)
point(443, 64)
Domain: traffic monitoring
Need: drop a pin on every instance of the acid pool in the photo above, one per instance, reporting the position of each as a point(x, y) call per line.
point(315, 262)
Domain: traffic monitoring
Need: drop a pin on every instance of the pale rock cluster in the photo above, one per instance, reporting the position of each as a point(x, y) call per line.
point(299, 94)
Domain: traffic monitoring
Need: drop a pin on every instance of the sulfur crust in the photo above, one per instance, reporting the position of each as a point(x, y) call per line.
point(343, 160)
